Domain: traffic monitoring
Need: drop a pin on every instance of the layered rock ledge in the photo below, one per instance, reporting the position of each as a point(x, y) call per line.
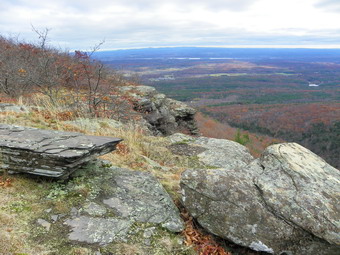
point(48, 152)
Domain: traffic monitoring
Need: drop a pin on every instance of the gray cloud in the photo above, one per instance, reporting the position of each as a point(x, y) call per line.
point(329, 5)
point(90, 5)
point(237, 5)
point(145, 23)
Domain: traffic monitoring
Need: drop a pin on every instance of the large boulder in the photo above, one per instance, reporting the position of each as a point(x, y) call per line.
point(302, 189)
point(283, 203)
point(164, 115)
point(48, 152)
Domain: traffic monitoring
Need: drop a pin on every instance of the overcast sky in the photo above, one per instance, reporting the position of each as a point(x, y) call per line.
point(80, 24)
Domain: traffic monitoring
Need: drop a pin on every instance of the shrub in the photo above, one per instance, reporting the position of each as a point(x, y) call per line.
point(241, 138)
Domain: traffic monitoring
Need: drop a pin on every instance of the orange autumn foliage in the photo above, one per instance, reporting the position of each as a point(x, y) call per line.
point(204, 244)
point(5, 182)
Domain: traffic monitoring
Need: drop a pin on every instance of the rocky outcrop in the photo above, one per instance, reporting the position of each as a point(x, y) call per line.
point(47, 152)
point(283, 203)
point(121, 198)
point(165, 116)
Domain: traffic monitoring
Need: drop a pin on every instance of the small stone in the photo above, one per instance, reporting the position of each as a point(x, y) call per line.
point(48, 210)
point(54, 218)
point(147, 242)
point(44, 224)
point(74, 211)
point(149, 232)
point(94, 209)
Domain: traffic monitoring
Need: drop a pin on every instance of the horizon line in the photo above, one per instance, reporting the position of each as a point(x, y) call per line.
point(335, 46)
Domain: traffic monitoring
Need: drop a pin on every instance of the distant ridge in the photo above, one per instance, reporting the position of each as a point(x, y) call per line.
point(213, 52)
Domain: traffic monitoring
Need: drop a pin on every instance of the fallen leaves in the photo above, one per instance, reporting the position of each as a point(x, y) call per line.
point(204, 244)
point(5, 182)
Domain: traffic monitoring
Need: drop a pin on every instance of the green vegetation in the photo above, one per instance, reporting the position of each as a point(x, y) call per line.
point(241, 138)
point(324, 140)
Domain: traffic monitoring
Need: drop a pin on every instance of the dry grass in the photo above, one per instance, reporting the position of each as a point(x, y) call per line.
point(129, 249)
point(21, 203)
point(17, 206)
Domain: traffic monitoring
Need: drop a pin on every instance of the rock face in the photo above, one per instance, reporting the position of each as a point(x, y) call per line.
point(123, 197)
point(211, 152)
point(164, 115)
point(286, 202)
point(47, 152)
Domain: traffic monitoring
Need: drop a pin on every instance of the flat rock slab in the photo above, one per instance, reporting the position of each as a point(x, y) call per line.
point(98, 230)
point(48, 152)
point(123, 198)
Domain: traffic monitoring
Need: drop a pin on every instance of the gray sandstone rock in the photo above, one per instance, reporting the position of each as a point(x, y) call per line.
point(211, 151)
point(45, 224)
point(285, 201)
point(139, 196)
point(94, 209)
point(98, 230)
point(123, 198)
point(301, 188)
point(48, 152)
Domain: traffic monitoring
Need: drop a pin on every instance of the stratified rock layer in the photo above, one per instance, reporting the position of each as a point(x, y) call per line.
point(47, 152)
point(286, 202)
